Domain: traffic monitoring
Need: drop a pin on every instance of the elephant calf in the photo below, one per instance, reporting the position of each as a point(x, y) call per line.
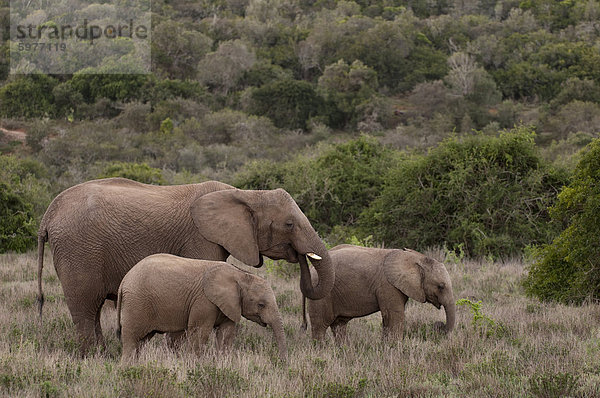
point(368, 280)
point(164, 293)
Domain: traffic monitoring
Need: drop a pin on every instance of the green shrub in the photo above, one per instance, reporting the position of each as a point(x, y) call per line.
point(489, 194)
point(566, 270)
point(115, 87)
point(288, 103)
point(28, 96)
point(134, 171)
point(167, 89)
point(332, 188)
point(28, 179)
point(17, 226)
point(347, 86)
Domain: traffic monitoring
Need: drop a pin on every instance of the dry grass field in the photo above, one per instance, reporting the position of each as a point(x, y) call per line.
point(506, 346)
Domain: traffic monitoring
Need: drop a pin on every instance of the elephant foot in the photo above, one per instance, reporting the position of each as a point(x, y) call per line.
point(440, 327)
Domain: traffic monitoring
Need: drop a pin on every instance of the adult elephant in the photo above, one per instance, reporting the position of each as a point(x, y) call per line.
point(100, 229)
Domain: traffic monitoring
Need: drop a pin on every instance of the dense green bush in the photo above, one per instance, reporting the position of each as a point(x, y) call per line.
point(567, 269)
point(17, 225)
point(333, 187)
point(116, 87)
point(134, 171)
point(485, 195)
point(29, 179)
point(347, 86)
point(288, 103)
point(28, 96)
point(23, 198)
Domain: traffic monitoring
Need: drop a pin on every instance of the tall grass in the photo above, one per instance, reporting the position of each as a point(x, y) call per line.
point(528, 349)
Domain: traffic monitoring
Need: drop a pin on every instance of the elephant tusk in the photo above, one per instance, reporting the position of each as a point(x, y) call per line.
point(314, 256)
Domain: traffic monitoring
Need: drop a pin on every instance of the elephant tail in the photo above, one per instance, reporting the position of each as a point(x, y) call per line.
point(42, 238)
point(119, 304)
point(304, 322)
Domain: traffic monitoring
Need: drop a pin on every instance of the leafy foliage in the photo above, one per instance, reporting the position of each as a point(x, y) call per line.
point(333, 187)
point(288, 103)
point(17, 226)
point(481, 322)
point(27, 96)
point(489, 194)
point(140, 172)
point(23, 199)
point(566, 270)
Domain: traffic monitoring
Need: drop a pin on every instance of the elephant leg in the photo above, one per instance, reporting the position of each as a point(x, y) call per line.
point(98, 329)
point(392, 304)
point(175, 340)
point(130, 347)
point(200, 326)
point(86, 317)
point(318, 331)
point(393, 324)
point(132, 343)
point(225, 335)
point(338, 328)
point(84, 297)
point(199, 337)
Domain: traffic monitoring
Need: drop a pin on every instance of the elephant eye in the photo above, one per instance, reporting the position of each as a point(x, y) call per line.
point(289, 224)
point(442, 286)
point(261, 305)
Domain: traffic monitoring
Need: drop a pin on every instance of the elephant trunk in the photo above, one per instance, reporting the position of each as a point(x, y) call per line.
point(279, 335)
point(310, 244)
point(325, 277)
point(450, 308)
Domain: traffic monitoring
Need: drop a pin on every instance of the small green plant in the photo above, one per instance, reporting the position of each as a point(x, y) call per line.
point(550, 385)
point(48, 389)
point(166, 126)
point(481, 322)
point(456, 255)
point(479, 319)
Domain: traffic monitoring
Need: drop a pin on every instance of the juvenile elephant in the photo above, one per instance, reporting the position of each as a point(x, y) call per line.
point(368, 280)
point(99, 229)
point(165, 293)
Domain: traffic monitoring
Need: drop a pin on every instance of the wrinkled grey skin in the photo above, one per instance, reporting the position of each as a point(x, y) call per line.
point(368, 280)
point(165, 293)
point(99, 229)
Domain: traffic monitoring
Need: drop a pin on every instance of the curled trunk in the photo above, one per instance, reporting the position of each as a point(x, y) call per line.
point(325, 278)
point(311, 244)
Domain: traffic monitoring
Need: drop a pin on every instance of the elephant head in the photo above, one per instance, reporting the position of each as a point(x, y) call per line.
point(423, 279)
point(238, 293)
point(250, 224)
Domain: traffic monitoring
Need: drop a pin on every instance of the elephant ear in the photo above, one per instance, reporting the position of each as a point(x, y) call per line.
point(402, 270)
point(220, 287)
point(225, 218)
